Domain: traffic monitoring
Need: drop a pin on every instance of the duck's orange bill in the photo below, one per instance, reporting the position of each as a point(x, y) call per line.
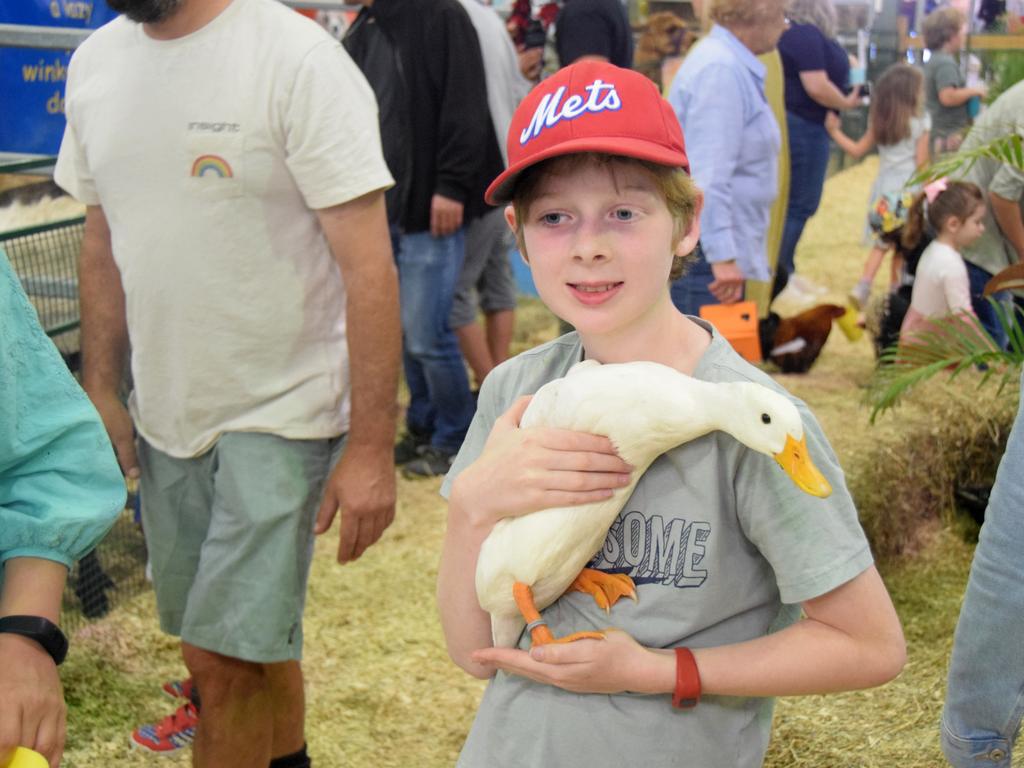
point(795, 459)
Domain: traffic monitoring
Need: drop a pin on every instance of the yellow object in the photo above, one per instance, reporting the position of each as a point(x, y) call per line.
point(849, 326)
point(738, 324)
point(23, 757)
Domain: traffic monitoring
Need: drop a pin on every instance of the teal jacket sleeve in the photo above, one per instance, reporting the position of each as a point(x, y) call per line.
point(60, 486)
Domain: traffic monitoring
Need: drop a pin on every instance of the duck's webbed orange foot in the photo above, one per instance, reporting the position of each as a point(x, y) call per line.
point(540, 634)
point(605, 588)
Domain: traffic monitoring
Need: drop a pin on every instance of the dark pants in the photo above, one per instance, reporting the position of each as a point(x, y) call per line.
point(440, 404)
point(808, 161)
point(983, 307)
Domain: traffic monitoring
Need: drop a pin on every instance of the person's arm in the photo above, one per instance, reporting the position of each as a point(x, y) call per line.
point(849, 639)
point(60, 491)
point(922, 153)
point(856, 149)
point(710, 109)
point(28, 676)
point(954, 96)
point(362, 485)
point(463, 118)
point(104, 335)
point(519, 471)
point(1008, 216)
point(32, 710)
point(824, 91)
point(950, 89)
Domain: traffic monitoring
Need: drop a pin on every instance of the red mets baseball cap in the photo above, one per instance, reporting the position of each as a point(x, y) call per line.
point(590, 106)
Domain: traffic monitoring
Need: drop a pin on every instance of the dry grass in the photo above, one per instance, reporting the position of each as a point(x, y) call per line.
point(382, 692)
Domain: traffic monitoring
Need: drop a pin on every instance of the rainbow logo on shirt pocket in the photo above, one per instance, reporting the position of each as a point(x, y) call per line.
point(212, 165)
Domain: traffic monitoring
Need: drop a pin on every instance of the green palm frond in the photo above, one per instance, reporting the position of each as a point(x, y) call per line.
point(1007, 149)
point(954, 344)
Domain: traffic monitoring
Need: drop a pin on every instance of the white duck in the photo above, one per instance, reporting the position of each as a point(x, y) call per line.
point(528, 562)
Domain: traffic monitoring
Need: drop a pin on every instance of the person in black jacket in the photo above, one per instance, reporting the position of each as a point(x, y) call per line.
point(423, 60)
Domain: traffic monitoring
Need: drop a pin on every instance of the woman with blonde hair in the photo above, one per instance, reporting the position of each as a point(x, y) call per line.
point(817, 73)
point(732, 141)
point(820, 13)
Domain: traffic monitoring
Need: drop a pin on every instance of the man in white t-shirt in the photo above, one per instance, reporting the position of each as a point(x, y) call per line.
point(1002, 242)
point(229, 155)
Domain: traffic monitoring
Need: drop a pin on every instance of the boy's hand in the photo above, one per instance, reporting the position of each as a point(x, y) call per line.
point(526, 470)
point(613, 665)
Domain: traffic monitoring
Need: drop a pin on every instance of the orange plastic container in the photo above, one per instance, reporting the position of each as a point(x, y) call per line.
point(738, 324)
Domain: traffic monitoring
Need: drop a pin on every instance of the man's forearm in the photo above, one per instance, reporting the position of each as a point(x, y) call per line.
point(104, 326)
point(358, 236)
point(375, 346)
point(32, 586)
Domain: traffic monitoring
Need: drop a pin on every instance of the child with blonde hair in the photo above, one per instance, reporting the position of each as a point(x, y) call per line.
point(946, 92)
point(747, 588)
point(900, 129)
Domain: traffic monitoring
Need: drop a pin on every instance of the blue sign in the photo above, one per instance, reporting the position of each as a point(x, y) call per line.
point(32, 79)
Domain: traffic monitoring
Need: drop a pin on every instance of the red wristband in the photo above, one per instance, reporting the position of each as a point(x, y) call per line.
point(687, 692)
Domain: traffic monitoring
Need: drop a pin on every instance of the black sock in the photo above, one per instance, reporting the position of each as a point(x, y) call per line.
point(295, 760)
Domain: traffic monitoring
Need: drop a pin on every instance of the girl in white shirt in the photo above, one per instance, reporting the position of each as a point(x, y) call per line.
point(955, 211)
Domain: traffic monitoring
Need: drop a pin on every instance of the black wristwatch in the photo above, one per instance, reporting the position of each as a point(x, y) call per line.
point(43, 631)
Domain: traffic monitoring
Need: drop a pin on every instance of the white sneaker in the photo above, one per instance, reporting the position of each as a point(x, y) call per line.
point(860, 293)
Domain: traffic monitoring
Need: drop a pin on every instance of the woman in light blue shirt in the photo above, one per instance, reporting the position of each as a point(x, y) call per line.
point(732, 141)
point(60, 491)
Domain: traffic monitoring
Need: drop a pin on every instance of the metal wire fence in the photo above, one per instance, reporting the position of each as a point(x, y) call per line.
point(45, 258)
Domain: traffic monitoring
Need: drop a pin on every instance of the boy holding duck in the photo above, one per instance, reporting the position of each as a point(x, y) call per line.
point(747, 587)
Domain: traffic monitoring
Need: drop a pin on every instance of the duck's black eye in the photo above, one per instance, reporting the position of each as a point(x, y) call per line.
point(765, 418)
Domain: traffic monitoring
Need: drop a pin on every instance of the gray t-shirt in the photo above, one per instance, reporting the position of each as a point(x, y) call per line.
point(722, 547)
point(940, 72)
point(993, 252)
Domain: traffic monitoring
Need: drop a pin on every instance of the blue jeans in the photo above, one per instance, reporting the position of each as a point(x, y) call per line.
point(982, 307)
point(690, 292)
point(808, 161)
point(440, 404)
point(985, 691)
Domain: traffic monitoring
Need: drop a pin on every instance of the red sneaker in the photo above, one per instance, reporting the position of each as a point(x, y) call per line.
point(174, 732)
point(178, 689)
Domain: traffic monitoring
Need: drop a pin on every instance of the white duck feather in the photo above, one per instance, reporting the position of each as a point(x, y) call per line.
point(645, 409)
